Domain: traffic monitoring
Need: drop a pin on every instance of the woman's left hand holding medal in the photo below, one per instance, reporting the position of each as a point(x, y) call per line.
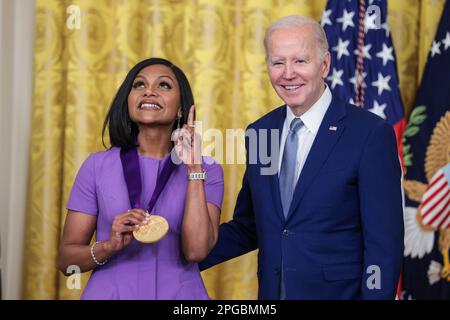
point(123, 226)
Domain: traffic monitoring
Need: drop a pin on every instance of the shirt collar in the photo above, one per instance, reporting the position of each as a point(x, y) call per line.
point(313, 117)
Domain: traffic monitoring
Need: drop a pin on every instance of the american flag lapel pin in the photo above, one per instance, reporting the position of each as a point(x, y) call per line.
point(332, 128)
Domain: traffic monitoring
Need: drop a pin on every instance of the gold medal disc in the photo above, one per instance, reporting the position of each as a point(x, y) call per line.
point(153, 231)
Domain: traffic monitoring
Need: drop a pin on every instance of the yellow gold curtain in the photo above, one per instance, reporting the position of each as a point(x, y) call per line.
point(217, 43)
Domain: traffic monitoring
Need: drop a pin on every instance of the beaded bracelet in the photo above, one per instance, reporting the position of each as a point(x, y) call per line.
point(94, 258)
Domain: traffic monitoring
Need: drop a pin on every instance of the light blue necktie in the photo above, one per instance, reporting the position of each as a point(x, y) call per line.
point(287, 179)
point(288, 164)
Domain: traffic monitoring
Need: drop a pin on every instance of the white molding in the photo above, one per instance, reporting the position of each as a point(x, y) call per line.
point(17, 37)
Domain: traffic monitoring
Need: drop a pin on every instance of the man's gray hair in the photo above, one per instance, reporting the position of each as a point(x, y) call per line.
point(300, 21)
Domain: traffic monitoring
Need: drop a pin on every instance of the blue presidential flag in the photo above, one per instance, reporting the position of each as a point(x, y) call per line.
point(426, 270)
point(363, 69)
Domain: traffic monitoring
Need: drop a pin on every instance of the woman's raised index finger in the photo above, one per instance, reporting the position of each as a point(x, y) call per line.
point(191, 116)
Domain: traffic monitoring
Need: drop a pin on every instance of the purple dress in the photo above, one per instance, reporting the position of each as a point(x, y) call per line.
point(141, 271)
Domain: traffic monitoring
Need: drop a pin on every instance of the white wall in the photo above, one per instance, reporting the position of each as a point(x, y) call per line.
point(16, 78)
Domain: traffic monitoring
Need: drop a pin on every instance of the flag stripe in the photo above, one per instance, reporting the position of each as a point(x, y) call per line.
point(434, 201)
point(445, 208)
point(437, 216)
point(431, 193)
point(438, 200)
point(434, 181)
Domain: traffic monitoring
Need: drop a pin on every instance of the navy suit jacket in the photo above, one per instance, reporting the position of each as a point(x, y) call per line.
point(343, 236)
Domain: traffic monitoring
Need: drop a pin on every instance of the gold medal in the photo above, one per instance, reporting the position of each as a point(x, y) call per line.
point(153, 231)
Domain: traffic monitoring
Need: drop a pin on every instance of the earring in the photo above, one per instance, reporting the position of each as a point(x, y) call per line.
point(178, 122)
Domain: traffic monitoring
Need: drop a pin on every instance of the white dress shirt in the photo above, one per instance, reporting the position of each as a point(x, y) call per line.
point(307, 133)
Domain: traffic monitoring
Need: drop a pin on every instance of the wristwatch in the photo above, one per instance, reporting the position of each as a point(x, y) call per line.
point(197, 176)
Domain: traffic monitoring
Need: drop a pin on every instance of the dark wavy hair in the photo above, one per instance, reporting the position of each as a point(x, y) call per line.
point(122, 131)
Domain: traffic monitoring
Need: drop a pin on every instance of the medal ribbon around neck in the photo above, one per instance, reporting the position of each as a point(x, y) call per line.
point(157, 226)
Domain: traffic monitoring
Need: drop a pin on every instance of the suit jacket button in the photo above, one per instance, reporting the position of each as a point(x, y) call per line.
point(285, 232)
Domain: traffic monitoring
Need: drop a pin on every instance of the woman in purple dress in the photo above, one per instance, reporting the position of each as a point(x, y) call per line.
point(118, 190)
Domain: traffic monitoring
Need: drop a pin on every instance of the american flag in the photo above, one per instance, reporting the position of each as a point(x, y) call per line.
point(363, 70)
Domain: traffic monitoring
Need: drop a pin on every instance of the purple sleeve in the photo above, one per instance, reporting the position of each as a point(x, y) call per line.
point(83, 197)
point(214, 184)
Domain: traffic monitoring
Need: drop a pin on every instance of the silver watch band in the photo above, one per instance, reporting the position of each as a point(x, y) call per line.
point(197, 176)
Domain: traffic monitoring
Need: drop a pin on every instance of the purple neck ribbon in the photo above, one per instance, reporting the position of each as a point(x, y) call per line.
point(132, 174)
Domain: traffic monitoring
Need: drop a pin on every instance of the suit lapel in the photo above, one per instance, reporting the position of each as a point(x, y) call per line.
point(329, 132)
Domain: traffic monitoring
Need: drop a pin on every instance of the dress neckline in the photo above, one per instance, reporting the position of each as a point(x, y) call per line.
point(154, 159)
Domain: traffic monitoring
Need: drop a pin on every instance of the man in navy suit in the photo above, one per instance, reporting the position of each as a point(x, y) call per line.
point(328, 223)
